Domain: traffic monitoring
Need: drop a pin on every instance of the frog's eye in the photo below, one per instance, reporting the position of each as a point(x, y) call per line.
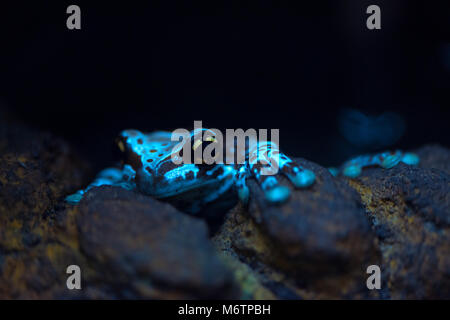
point(196, 144)
point(201, 145)
point(121, 146)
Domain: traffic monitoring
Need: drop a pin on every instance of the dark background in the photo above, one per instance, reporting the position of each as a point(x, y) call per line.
point(266, 64)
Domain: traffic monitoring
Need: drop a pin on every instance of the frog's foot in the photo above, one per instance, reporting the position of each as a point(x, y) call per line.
point(299, 176)
point(352, 171)
point(410, 158)
point(111, 177)
point(273, 190)
point(75, 198)
point(386, 160)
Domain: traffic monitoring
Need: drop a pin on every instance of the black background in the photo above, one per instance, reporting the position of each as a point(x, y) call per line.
point(162, 65)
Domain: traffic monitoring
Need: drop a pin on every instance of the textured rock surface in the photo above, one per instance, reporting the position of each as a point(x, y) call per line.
point(434, 156)
point(318, 245)
point(321, 231)
point(149, 247)
point(410, 212)
point(127, 245)
point(36, 171)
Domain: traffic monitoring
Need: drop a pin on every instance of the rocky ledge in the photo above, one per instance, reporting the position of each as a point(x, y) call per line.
point(316, 246)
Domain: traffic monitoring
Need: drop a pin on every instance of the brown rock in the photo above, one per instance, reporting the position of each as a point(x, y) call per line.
point(410, 212)
point(36, 171)
point(148, 248)
point(317, 245)
point(434, 156)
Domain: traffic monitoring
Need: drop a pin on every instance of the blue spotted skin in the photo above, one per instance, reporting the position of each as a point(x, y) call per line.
point(386, 160)
point(150, 169)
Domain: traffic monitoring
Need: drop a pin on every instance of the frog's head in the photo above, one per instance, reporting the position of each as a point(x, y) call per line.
point(203, 139)
point(159, 176)
point(187, 169)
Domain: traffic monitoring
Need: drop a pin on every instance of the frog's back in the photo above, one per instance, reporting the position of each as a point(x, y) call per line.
point(155, 152)
point(151, 149)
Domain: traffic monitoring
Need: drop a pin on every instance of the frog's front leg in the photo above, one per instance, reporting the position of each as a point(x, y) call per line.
point(265, 162)
point(123, 178)
point(242, 173)
point(387, 160)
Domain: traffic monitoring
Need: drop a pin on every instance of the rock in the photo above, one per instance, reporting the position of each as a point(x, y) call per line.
point(36, 171)
point(40, 272)
point(148, 248)
point(127, 245)
point(317, 245)
point(409, 210)
point(250, 284)
point(434, 156)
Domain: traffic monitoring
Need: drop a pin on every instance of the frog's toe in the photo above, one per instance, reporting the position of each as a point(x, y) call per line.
point(334, 171)
point(243, 194)
point(299, 177)
point(352, 171)
point(410, 158)
point(112, 174)
point(278, 194)
point(303, 179)
point(390, 161)
point(74, 198)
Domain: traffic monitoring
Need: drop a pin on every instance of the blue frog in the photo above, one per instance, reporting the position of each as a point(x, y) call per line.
point(148, 167)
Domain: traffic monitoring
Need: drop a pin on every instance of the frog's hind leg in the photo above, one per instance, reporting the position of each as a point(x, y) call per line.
point(386, 160)
point(123, 178)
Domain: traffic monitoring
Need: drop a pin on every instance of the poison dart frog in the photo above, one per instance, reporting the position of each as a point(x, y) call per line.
point(149, 167)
